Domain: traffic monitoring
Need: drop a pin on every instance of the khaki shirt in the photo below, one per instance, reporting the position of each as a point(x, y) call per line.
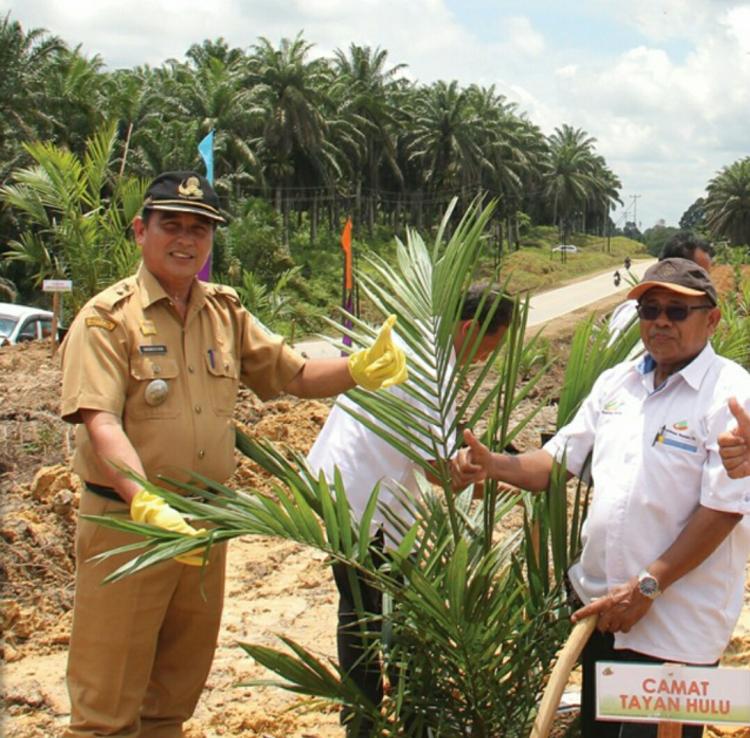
point(130, 335)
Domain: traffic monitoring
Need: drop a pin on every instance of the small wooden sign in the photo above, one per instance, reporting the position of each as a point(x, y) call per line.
point(57, 285)
point(653, 693)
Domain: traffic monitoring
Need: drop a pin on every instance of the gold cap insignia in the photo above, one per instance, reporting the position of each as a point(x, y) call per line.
point(190, 187)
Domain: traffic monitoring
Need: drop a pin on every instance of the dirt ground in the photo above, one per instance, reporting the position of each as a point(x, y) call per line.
point(273, 587)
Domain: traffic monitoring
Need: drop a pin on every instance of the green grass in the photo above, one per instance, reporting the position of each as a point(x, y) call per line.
point(537, 267)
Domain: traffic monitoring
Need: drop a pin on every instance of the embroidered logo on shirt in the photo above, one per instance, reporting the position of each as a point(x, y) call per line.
point(667, 437)
point(97, 322)
point(613, 407)
point(680, 425)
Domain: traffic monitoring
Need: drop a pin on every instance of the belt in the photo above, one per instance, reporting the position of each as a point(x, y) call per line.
point(106, 492)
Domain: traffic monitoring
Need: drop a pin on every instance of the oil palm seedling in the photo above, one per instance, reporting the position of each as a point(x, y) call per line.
point(75, 214)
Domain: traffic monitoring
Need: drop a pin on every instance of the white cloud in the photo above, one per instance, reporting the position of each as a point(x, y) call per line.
point(660, 20)
point(567, 72)
point(523, 37)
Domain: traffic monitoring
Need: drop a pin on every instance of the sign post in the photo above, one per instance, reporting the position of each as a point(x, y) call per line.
point(56, 287)
point(672, 695)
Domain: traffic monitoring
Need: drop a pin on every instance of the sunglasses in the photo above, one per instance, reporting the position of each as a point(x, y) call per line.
point(674, 313)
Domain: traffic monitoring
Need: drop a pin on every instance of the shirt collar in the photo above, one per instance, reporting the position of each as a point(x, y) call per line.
point(693, 373)
point(151, 291)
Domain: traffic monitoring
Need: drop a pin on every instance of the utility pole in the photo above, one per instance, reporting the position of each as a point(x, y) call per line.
point(635, 210)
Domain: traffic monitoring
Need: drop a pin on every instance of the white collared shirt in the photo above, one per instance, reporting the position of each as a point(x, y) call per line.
point(364, 459)
point(655, 459)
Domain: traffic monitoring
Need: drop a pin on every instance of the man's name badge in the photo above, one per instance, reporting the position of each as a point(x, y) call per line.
point(155, 349)
point(156, 392)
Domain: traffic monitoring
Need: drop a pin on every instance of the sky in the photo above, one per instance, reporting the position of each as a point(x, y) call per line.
point(662, 85)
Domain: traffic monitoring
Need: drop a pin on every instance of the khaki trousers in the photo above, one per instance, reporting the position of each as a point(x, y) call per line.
point(140, 648)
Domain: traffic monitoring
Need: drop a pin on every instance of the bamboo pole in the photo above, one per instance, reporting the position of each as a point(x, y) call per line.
point(566, 661)
point(559, 677)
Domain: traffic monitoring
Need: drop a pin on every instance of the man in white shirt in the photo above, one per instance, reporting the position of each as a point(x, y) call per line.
point(667, 534)
point(364, 459)
point(683, 245)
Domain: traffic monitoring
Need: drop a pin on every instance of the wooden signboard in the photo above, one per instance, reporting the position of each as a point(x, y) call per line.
point(56, 286)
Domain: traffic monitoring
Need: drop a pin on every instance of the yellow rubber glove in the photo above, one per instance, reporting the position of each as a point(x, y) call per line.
point(153, 510)
point(381, 365)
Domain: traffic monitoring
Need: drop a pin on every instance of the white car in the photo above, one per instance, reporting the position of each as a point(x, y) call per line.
point(19, 323)
point(568, 248)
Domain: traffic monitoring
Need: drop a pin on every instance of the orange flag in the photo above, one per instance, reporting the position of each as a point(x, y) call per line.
point(346, 245)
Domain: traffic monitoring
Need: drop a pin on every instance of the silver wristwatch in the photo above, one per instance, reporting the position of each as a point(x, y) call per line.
point(648, 585)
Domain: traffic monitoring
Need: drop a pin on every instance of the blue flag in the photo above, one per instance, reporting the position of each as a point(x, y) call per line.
point(206, 150)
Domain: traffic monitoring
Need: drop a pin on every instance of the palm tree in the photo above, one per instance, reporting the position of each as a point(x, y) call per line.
point(604, 194)
point(727, 203)
point(214, 90)
point(25, 58)
point(363, 95)
point(514, 147)
point(75, 96)
point(131, 100)
point(569, 177)
point(290, 105)
point(446, 140)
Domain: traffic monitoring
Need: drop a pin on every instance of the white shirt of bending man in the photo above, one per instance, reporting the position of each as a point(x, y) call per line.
point(364, 458)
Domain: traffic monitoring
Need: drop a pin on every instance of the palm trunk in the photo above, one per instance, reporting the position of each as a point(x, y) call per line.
point(125, 150)
point(285, 223)
point(358, 203)
point(314, 218)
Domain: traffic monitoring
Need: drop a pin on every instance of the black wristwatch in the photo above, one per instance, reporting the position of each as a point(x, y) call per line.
point(648, 585)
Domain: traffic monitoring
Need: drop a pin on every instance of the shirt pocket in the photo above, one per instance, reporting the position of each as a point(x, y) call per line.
point(679, 460)
point(146, 376)
point(223, 382)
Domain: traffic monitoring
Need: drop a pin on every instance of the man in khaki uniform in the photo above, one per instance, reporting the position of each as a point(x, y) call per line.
point(151, 369)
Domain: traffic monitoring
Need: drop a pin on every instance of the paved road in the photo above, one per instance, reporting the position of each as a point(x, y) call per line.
point(554, 303)
point(544, 306)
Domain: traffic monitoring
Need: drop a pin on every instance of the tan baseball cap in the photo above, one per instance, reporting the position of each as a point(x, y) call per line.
point(682, 276)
